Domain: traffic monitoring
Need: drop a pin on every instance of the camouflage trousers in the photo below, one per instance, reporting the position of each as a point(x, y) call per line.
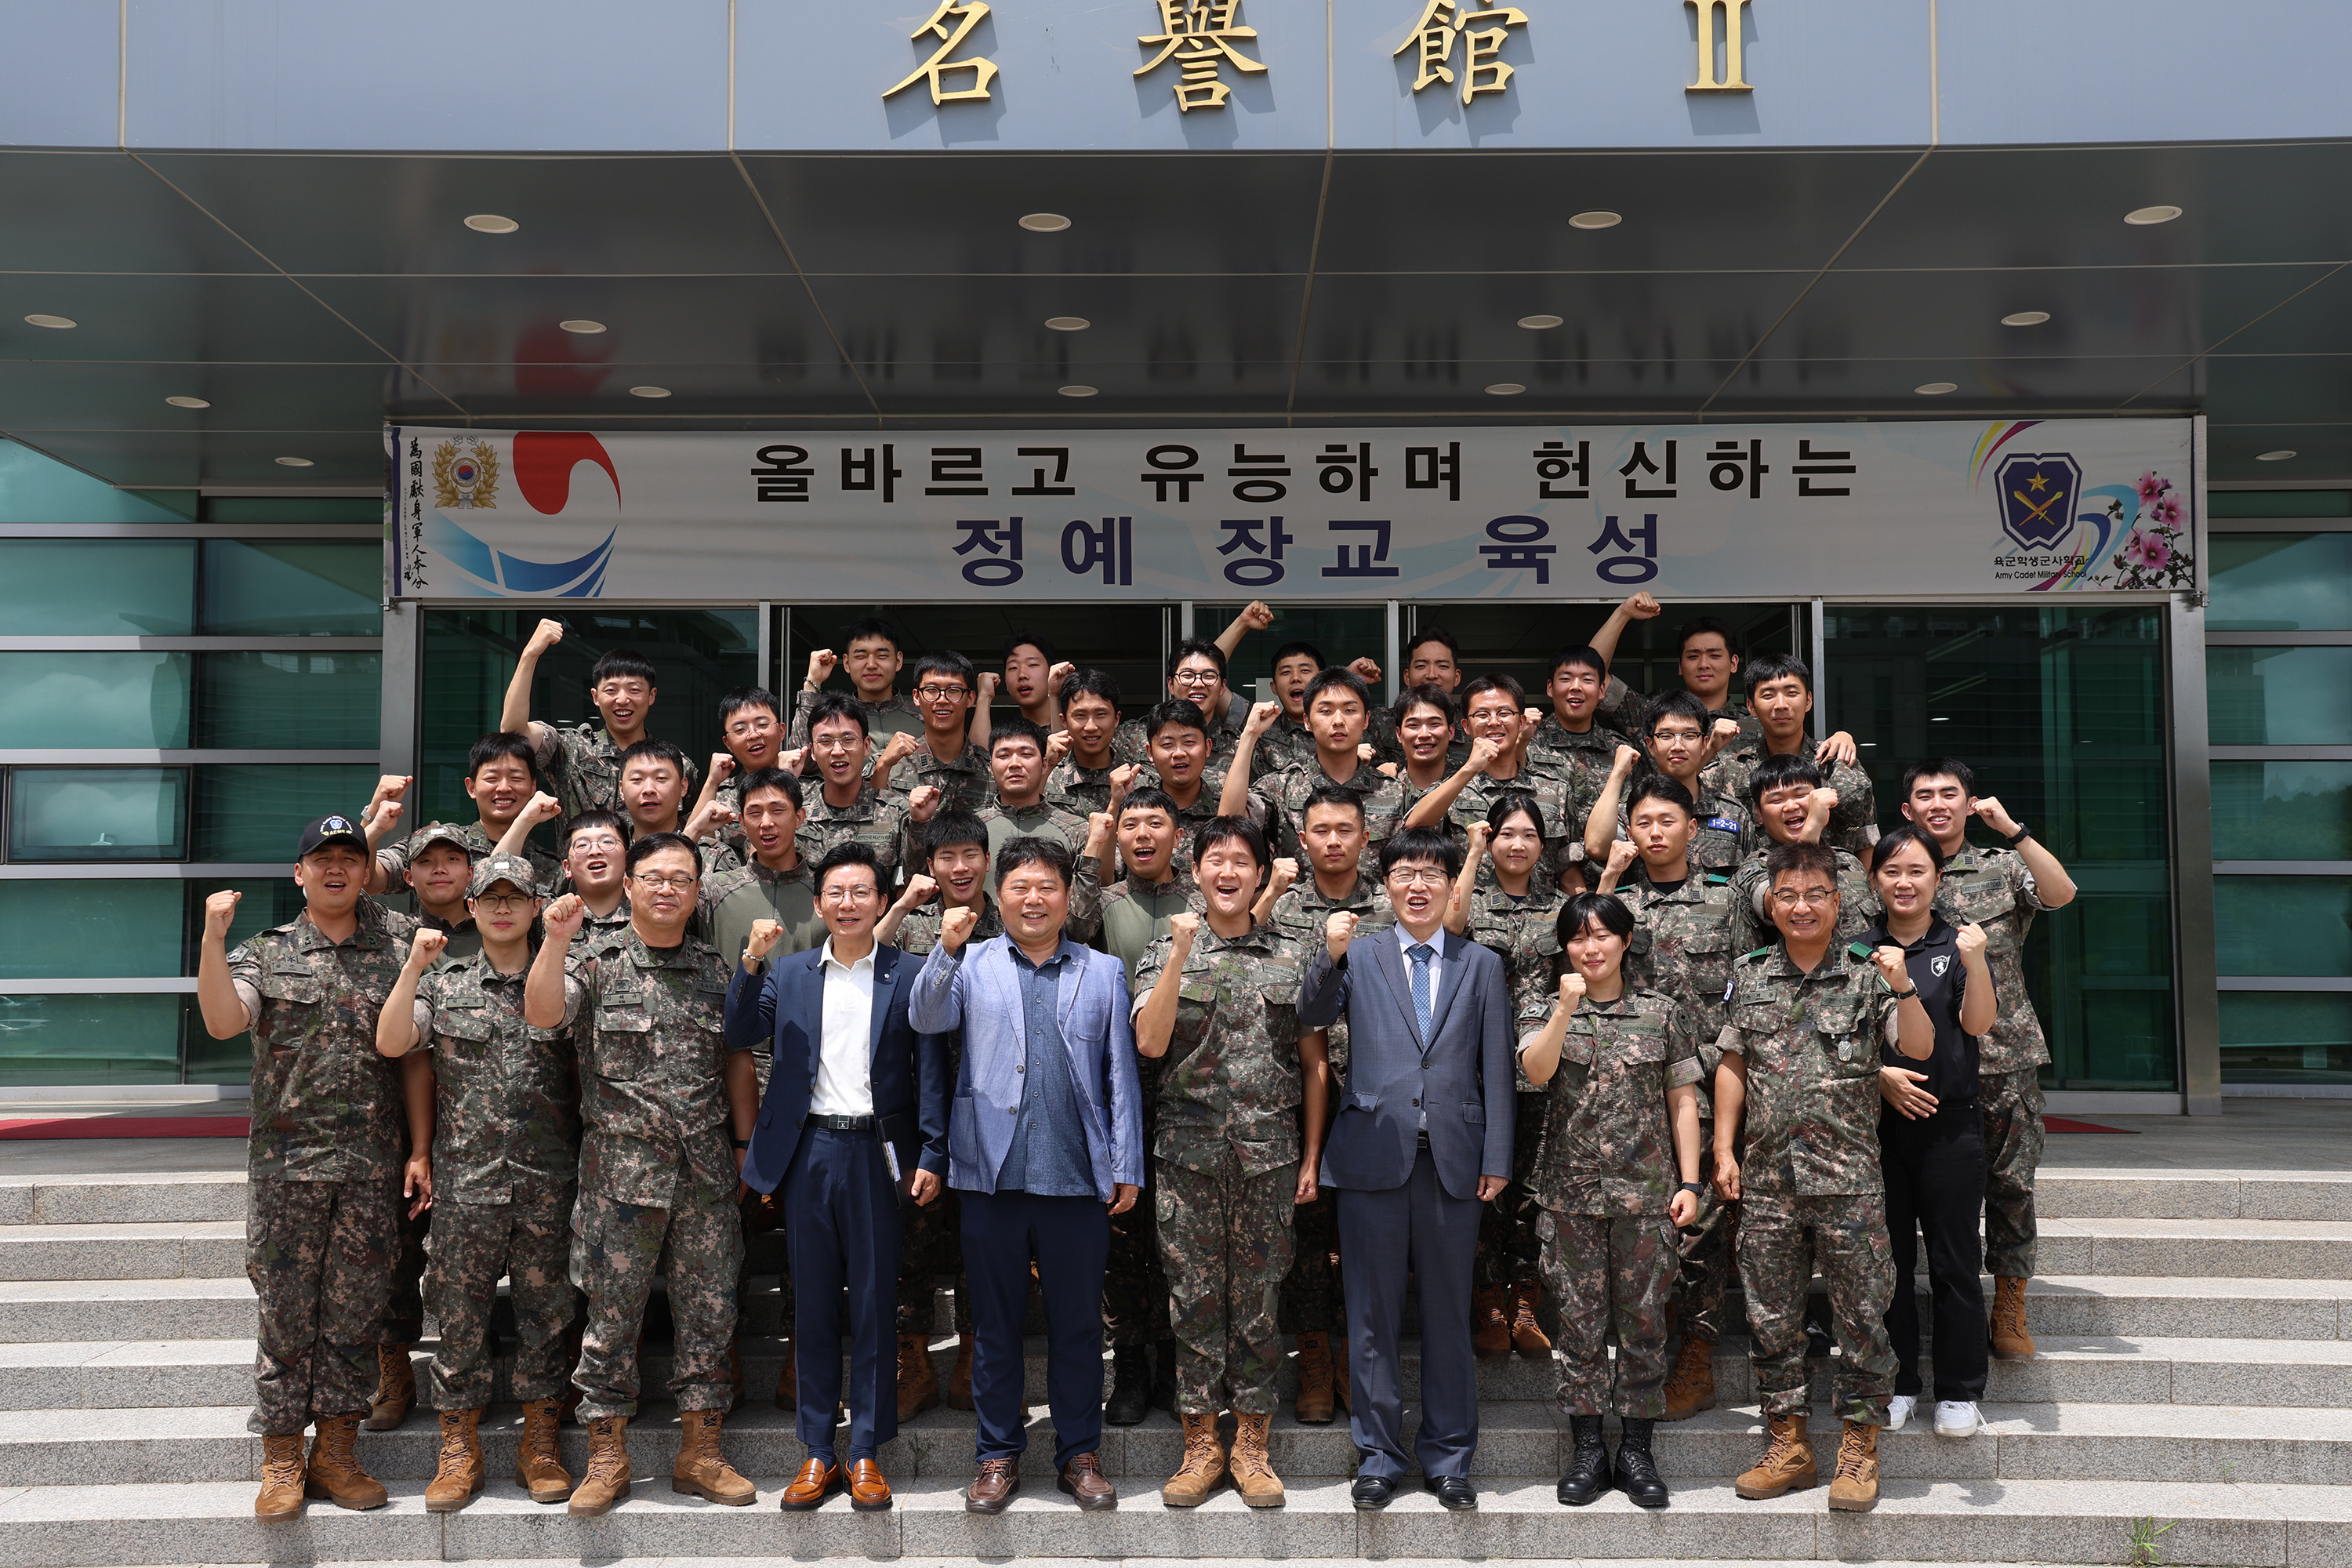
point(1226, 1238)
point(529, 1241)
point(1706, 1247)
point(1508, 1245)
point(2013, 1136)
point(1782, 1241)
point(1312, 1292)
point(1607, 1271)
point(931, 1244)
point(615, 1248)
point(319, 1256)
point(1135, 1278)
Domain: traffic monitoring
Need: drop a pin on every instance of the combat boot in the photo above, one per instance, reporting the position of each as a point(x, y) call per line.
point(701, 1469)
point(1527, 1337)
point(608, 1480)
point(1130, 1386)
point(1854, 1487)
point(1251, 1467)
point(1788, 1462)
point(395, 1388)
point(1637, 1472)
point(334, 1470)
point(1203, 1466)
point(1690, 1386)
point(1588, 1466)
point(281, 1479)
point(1314, 1401)
point(1490, 1332)
point(2010, 1339)
point(539, 1462)
point(918, 1380)
point(459, 1475)
point(960, 1380)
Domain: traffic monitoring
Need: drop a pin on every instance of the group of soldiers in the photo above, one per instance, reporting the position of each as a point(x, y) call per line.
point(475, 1058)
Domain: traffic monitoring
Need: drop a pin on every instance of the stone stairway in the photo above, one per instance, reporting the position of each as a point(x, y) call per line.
point(2196, 1369)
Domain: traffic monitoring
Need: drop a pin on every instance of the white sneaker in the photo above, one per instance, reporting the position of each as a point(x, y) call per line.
point(1957, 1418)
point(1898, 1411)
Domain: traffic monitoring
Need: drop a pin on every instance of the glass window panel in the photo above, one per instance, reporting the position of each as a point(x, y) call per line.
point(2283, 925)
point(90, 1039)
point(93, 701)
point(2278, 696)
point(2279, 503)
point(1517, 640)
point(2280, 582)
point(2282, 811)
point(2286, 1036)
point(256, 812)
point(300, 589)
point(326, 702)
point(99, 813)
point(1339, 635)
point(90, 931)
point(97, 587)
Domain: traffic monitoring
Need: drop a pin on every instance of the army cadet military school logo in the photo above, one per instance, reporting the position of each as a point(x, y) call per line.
point(464, 475)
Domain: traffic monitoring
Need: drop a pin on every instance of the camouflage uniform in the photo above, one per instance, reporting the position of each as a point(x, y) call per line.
point(964, 784)
point(1190, 818)
point(1225, 1160)
point(1811, 1191)
point(506, 1172)
point(1279, 806)
point(1627, 712)
point(1084, 790)
point(1525, 933)
point(1043, 820)
point(1388, 746)
point(894, 715)
point(1856, 812)
point(395, 858)
point(1682, 947)
point(582, 766)
point(1129, 743)
point(1135, 1278)
point(1583, 759)
point(1563, 815)
point(1994, 888)
point(1603, 1179)
point(878, 822)
point(1751, 902)
point(1290, 744)
point(656, 1173)
point(322, 1162)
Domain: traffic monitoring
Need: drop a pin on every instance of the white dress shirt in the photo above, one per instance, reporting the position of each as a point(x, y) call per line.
point(844, 1067)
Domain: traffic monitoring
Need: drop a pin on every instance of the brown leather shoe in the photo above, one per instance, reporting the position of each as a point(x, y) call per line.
point(538, 1461)
point(918, 1380)
point(1083, 1479)
point(1527, 1337)
point(816, 1482)
point(959, 1380)
point(868, 1491)
point(788, 1386)
point(281, 1479)
point(457, 1473)
point(1315, 1396)
point(1690, 1386)
point(395, 1388)
point(992, 1490)
point(334, 1471)
point(1490, 1332)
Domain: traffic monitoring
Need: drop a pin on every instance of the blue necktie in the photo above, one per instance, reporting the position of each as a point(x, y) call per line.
point(1422, 954)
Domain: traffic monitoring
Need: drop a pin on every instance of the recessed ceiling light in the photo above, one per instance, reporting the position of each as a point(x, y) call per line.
point(1505, 389)
point(1936, 388)
point(2025, 318)
point(1044, 223)
point(2141, 218)
point(59, 322)
point(1068, 324)
point(649, 392)
point(1539, 323)
point(491, 222)
point(296, 463)
point(189, 402)
point(1940, 719)
point(1596, 219)
point(1076, 391)
point(2281, 456)
point(583, 325)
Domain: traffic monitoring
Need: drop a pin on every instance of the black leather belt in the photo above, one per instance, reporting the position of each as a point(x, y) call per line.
point(1422, 1140)
point(842, 1123)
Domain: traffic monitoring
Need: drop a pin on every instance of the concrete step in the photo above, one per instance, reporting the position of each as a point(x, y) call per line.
point(2040, 1521)
point(165, 1250)
point(51, 1311)
point(2204, 1307)
point(2217, 1249)
point(2091, 1192)
point(122, 1198)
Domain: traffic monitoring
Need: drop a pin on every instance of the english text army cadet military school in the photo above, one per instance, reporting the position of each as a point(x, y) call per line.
point(1228, 1024)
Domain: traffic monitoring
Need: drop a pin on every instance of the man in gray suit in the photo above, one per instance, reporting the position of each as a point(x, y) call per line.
point(1423, 1136)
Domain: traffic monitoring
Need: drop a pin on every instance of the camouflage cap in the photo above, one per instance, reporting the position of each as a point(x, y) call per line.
point(433, 833)
point(510, 868)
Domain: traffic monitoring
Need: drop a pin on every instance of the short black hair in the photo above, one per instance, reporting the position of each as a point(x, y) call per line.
point(1679, 703)
point(1340, 676)
point(1783, 858)
point(849, 852)
point(1582, 909)
point(652, 750)
point(1658, 786)
point(1511, 802)
point(1778, 666)
point(832, 705)
point(1022, 640)
point(1436, 635)
point(1480, 685)
point(1950, 768)
point(1779, 772)
point(1590, 657)
point(1148, 798)
point(655, 843)
point(1331, 795)
point(945, 662)
point(1699, 625)
point(1182, 712)
point(1423, 844)
point(1228, 829)
point(1297, 649)
point(1017, 729)
point(1089, 683)
point(622, 663)
point(1902, 833)
point(498, 748)
point(1193, 647)
point(871, 627)
point(596, 817)
point(743, 697)
point(785, 784)
point(1032, 850)
point(951, 830)
point(1427, 696)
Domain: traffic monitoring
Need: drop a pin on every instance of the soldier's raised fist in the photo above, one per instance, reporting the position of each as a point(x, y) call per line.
point(956, 927)
point(1337, 931)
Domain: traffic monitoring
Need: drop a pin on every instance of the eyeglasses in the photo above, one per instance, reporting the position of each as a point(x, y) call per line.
point(750, 726)
point(664, 880)
point(836, 743)
point(1790, 897)
point(1672, 735)
point(939, 693)
point(1194, 678)
point(855, 893)
point(1419, 877)
point(603, 844)
point(501, 904)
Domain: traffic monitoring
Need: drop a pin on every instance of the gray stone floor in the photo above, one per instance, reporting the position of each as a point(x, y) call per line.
point(2249, 1135)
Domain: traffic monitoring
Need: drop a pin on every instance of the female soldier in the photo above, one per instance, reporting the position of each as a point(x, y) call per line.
point(1619, 1170)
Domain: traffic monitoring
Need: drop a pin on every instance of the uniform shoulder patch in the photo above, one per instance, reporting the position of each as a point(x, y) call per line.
point(1752, 957)
point(1860, 950)
point(1717, 879)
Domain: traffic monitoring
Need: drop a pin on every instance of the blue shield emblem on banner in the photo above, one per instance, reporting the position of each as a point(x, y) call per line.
point(2039, 493)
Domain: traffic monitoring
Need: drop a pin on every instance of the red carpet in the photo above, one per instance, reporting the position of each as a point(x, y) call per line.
point(125, 1126)
point(2068, 1124)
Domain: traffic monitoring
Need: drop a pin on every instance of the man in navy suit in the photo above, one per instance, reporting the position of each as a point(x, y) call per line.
point(1423, 1136)
point(855, 1118)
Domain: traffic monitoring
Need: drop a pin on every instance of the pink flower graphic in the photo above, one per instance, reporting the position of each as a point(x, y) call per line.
point(2165, 511)
point(2150, 487)
point(2148, 552)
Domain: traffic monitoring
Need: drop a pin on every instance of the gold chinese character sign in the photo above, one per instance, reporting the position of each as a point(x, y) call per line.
point(952, 24)
point(1443, 24)
point(1204, 35)
point(1730, 80)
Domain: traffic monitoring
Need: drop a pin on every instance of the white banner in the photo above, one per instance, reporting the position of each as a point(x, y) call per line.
point(1715, 511)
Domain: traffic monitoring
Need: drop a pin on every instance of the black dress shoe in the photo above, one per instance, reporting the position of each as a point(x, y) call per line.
point(1371, 1492)
point(1455, 1493)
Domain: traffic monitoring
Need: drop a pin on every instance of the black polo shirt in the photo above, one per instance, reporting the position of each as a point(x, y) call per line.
point(1934, 962)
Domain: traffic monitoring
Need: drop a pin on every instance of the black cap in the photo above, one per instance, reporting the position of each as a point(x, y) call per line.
point(329, 830)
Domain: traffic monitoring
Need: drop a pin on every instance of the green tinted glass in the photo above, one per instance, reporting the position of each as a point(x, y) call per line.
point(257, 813)
point(2283, 925)
point(2278, 696)
point(97, 587)
point(91, 930)
point(2280, 582)
point(299, 589)
point(2286, 1036)
point(93, 701)
point(2282, 811)
point(90, 1039)
point(98, 814)
point(326, 702)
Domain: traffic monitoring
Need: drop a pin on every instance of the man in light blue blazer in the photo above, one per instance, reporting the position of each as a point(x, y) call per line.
point(1045, 1144)
point(1421, 1139)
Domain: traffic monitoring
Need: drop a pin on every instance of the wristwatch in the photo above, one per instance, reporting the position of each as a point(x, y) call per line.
point(742, 1142)
point(2021, 835)
point(1691, 1188)
point(1907, 995)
